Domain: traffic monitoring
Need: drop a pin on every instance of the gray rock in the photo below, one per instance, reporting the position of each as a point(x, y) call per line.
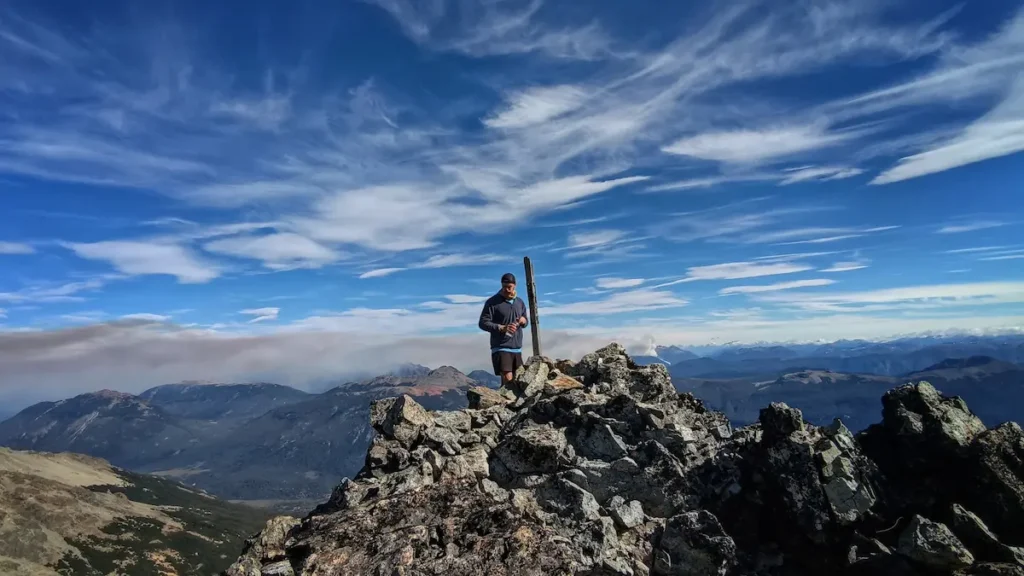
point(535, 449)
point(628, 515)
point(849, 499)
point(933, 545)
point(919, 409)
point(437, 436)
point(454, 419)
point(282, 568)
point(531, 382)
point(572, 499)
point(491, 488)
point(480, 398)
point(470, 439)
point(617, 566)
point(995, 489)
point(722, 432)
point(779, 421)
point(973, 532)
point(600, 442)
point(405, 421)
point(696, 545)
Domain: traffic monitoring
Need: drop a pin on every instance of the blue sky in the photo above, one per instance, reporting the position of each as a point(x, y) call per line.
point(351, 178)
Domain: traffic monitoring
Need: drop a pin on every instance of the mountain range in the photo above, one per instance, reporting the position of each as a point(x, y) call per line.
point(993, 388)
point(285, 448)
point(262, 442)
point(893, 358)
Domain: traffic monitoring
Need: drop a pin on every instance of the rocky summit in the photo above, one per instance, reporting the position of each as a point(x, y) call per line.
point(601, 468)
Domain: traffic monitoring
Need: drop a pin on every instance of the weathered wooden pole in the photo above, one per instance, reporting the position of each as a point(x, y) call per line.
point(531, 294)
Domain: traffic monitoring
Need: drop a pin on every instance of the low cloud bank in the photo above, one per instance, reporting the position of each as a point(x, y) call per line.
point(132, 356)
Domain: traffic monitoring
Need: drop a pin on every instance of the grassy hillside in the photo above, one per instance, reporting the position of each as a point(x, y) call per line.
point(74, 515)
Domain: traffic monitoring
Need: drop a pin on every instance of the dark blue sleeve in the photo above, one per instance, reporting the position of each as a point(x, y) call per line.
point(486, 322)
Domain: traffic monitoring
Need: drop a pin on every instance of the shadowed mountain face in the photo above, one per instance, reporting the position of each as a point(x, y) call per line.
point(114, 426)
point(674, 354)
point(240, 441)
point(994, 390)
point(77, 515)
point(228, 402)
point(485, 378)
point(302, 450)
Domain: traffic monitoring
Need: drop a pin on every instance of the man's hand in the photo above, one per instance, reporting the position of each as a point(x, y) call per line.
point(522, 320)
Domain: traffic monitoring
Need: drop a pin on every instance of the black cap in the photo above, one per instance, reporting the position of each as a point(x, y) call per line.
point(508, 278)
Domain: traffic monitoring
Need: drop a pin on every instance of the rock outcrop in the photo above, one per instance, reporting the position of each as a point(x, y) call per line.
point(601, 468)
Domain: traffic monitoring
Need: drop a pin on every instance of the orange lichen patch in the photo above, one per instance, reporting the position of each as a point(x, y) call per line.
point(561, 382)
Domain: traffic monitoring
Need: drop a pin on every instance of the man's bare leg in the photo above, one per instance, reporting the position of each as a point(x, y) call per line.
point(507, 377)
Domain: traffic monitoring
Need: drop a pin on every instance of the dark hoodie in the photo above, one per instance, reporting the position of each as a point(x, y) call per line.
point(497, 312)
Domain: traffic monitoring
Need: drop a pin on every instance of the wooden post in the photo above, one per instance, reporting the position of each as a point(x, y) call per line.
point(531, 294)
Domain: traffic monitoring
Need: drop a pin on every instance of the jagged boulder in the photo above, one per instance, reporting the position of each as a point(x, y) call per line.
point(932, 544)
point(994, 486)
point(600, 467)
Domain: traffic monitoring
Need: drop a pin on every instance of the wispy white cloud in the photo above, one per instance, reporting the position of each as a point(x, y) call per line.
point(413, 216)
point(84, 317)
point(619, 302)
point(610, 283)
point(992, 67)
point(465, 299)
point(813, 235)
point(594, 238)
point(754, 146)
point(793, 256)
point(781, 177)
point(261, 314)
point(461, 259)
point(845, 266)
point(16, 248)
point(51, 293)
point(146, 317)
point(810, 173)
point(738, 270)
point(267, 113)
point(790, 234)
point(975, 249)
point(970, 227)
point(238, 194)
point(139, 258)
point(710, 181)
point(536, 105)
point(380, 272)
point(821, 240)
point(501, 27)
point(444, 260)
point(281, 251)
point(1005, 257)
point(776, 287)
point(936, 295)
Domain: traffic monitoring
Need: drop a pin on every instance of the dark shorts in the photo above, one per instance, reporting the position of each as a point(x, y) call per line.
point(506, 361)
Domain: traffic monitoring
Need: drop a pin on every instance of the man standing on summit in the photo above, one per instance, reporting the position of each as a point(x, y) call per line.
point(503, 314)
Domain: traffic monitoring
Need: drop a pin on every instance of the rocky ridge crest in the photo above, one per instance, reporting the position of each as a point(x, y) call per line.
point(601, 468)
